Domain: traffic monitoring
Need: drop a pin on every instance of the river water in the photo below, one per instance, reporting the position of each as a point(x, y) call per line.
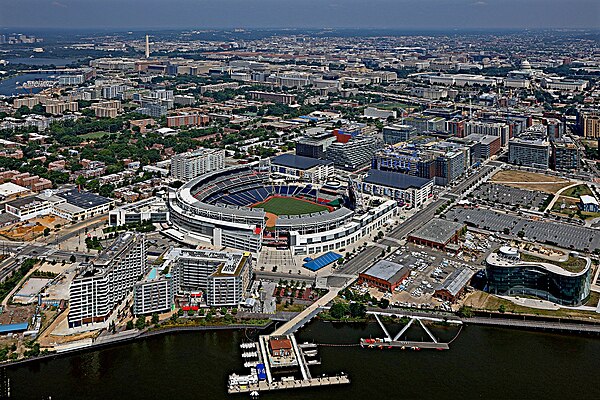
point(483, 363)
point(12, 86)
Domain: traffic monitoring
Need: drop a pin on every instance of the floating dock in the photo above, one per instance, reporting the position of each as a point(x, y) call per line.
point(290, 384)
point(296, 356)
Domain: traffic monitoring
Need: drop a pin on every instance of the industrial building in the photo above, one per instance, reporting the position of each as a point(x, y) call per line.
point(438, 233)
point(454, 285)
point(384, 275)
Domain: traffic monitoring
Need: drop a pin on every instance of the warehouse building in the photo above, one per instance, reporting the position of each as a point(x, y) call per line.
point(384, 275)
point(438, 233)
point(454, 285)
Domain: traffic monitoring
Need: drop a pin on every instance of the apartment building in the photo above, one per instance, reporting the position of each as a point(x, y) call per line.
point(187, 166)
point(99, 287)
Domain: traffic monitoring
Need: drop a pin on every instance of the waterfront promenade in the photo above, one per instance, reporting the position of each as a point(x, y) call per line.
point(529, 324)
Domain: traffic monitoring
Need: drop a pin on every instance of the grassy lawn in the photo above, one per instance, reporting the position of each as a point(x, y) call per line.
point(530, 180)
point(390, 105)
point(290, 307)
point(573, 212)
point(289, 206)
point(577, 191)
point(573, 264)
point(95, 135)
point(485, 301)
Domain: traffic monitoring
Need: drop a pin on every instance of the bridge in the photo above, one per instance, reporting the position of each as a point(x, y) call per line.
point(389, 342)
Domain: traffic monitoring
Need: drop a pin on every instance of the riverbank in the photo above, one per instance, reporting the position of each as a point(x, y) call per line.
point(130, 336)
point(479, 364)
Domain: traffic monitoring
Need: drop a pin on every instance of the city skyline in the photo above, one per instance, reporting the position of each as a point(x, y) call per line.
point(305, 14)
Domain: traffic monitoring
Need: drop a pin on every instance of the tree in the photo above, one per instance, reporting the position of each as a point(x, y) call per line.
point(358, 310)
point(46, 231)
point(72, 258)
point(338, 310)
point(140, 323)
point(384, 303)
point(502, 308)
point(80, 181)
point(154, 319)
point(129, 325)
point(465, 312)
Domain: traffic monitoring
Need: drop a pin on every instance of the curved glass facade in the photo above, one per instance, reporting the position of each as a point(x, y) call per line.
point(536, 280)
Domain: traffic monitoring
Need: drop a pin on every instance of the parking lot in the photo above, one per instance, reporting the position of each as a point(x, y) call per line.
point(429, 268)
point(499, 194)
point(567, 236)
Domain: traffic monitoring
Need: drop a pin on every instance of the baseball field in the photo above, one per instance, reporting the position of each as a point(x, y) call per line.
point(289, 206)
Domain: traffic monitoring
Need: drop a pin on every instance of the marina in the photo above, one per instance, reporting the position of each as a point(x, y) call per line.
point(280, 363)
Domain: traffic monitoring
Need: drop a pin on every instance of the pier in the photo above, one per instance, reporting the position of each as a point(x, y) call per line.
point(395, 342)
point(270, 361)
point(290, 384)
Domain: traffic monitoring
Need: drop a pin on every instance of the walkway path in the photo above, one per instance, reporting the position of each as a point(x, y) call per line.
point(557, 195)
point(323, 301)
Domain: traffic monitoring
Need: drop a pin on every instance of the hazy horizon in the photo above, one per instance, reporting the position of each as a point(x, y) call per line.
point(301, 14)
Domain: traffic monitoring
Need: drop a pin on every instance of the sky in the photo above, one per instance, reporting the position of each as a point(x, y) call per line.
point(384, 14)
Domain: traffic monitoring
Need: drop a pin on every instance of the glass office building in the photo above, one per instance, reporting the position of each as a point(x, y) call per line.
point(509, 276)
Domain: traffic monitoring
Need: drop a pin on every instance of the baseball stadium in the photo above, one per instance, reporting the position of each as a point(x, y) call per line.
point(247, 207)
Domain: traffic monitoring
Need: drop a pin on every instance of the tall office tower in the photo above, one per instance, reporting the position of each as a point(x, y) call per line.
point(147, 46)
point(100, 286)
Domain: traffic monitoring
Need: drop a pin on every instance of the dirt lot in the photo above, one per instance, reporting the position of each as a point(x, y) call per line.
point(530, 180)
point(56, 268)
point(28, 230)
point(14, 314)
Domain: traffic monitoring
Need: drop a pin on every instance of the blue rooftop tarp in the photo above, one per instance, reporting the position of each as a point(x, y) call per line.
point(322, 261)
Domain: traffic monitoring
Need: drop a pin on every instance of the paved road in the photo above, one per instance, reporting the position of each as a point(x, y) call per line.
point(368, 256)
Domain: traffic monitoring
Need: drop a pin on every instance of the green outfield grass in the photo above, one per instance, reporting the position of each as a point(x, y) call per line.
point(289, 206)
